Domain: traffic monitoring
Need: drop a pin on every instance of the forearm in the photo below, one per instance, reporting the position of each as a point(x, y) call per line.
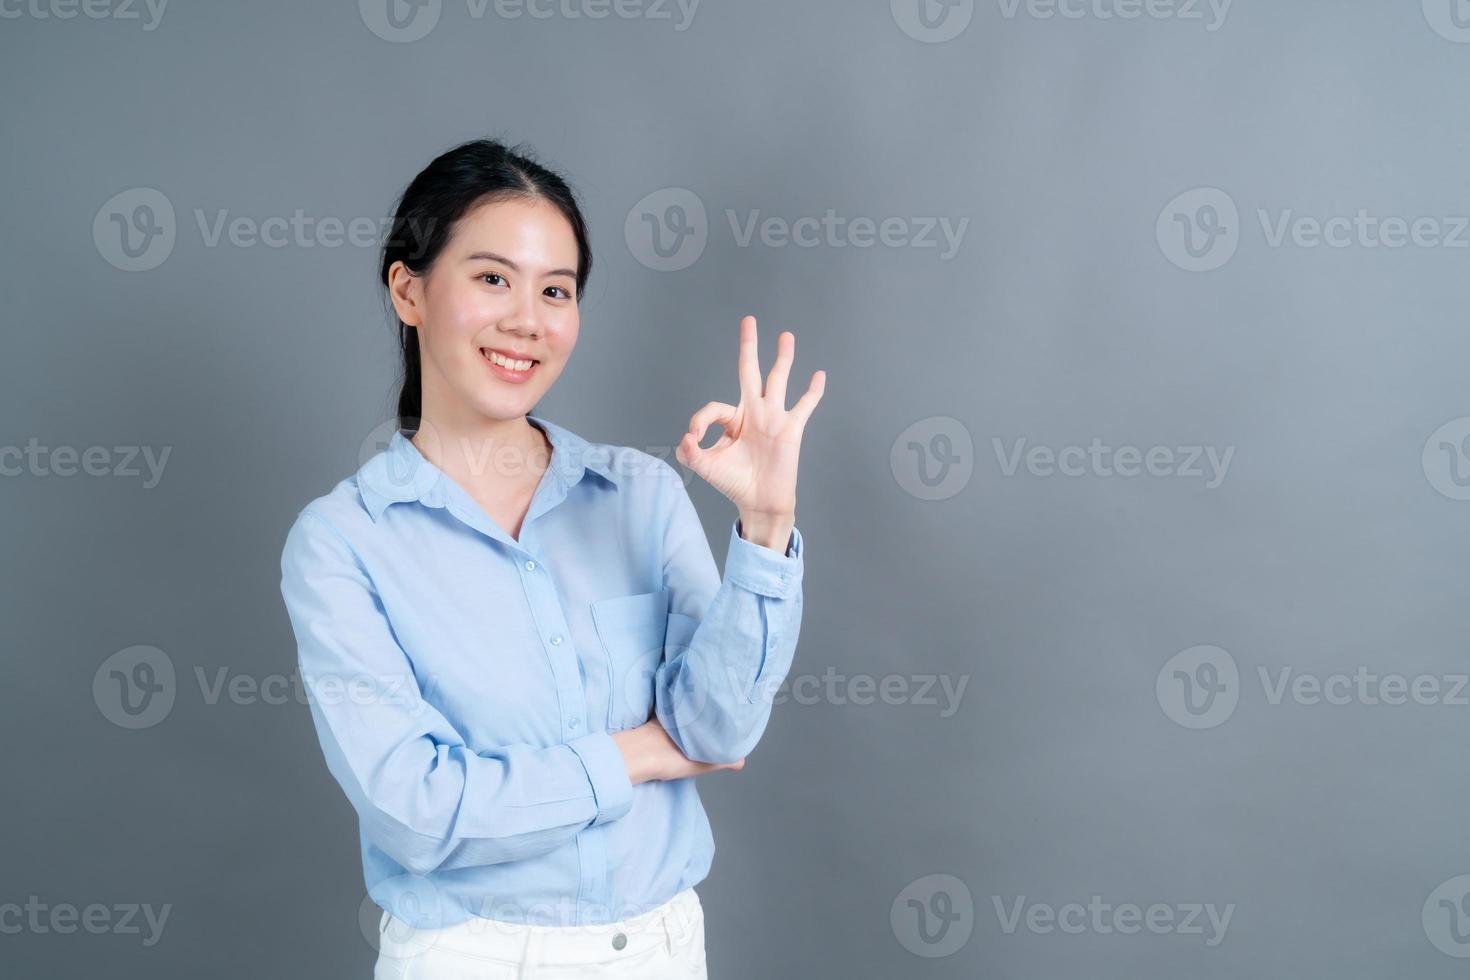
point(713, 692)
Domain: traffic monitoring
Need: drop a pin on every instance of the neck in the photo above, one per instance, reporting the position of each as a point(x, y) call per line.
point(484, 454)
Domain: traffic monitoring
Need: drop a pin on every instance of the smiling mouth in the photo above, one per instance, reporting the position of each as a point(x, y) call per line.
point(507, 361)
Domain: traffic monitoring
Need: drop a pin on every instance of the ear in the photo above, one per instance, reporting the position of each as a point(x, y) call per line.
point(407, 293)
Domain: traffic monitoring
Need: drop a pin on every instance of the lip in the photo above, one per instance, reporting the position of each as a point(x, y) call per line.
point(514, 355)
point(505, 373)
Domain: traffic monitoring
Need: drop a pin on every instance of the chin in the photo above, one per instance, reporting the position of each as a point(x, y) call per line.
point(504, 405)
point(496, 399)
point(503, 410)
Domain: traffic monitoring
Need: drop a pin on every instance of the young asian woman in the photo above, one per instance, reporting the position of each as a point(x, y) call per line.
point(518, 650)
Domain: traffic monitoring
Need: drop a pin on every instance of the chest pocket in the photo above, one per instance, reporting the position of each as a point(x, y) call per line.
point(631, 629)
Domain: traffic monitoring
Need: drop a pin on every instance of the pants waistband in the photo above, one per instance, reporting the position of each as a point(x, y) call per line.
point(671, 925)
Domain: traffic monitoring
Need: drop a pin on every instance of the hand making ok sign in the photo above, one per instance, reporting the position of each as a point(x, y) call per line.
point(754, 461)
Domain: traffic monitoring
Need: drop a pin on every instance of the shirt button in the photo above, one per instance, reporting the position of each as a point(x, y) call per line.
point(619, 941)
point(556, 640)
point(573, 723)
point(530, 565)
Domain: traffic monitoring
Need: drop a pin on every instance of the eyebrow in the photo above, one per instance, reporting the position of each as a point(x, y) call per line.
point(492, 257)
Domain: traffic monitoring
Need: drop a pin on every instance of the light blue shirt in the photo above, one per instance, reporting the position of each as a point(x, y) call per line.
point(464, 684)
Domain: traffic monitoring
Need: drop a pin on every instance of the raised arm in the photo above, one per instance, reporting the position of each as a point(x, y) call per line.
point(730, 643)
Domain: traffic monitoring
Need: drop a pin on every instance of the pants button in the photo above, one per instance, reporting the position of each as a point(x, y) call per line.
point(619, 941)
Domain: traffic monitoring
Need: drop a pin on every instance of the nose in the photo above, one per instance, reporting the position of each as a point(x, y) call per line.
point(523, 318)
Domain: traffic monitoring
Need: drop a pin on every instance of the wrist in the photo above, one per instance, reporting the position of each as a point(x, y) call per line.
point(768, 530)
point(637, 758)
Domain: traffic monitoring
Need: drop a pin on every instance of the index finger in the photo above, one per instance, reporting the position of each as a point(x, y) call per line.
point(750, 367)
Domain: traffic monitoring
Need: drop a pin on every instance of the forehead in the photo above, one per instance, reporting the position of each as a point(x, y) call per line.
point(529, 230)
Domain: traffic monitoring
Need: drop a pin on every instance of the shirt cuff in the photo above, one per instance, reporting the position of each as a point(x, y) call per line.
point(607, 772)
point(762, 570)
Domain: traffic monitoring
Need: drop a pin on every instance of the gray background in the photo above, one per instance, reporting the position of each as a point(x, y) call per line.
point(1334, 542)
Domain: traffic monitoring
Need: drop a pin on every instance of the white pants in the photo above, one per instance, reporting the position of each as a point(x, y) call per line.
point(663, 944)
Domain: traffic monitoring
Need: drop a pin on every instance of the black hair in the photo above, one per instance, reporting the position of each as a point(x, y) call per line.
point(452, 185)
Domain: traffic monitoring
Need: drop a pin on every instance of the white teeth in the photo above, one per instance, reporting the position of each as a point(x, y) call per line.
point(504, 361)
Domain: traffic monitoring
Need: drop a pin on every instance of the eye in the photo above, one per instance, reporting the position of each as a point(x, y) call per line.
point(565, 294)
point(489, 274)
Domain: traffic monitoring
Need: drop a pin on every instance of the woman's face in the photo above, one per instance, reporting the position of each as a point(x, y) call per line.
point(505, 284)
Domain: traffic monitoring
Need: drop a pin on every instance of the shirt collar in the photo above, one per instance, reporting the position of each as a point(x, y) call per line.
point(400, 473)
